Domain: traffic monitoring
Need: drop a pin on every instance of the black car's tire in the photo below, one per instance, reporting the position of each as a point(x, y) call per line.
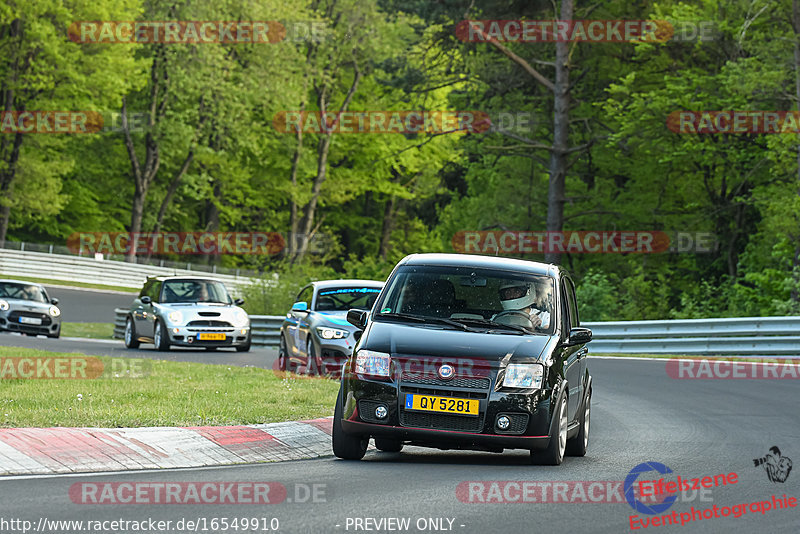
point(554, 453)
point(577, 445)
point(160, 336)
point(131, 341)
point(388, 445)
point(345, 446)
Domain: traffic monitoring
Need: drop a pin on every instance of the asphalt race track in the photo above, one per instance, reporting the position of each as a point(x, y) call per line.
point(640, 414)
point(89, 305)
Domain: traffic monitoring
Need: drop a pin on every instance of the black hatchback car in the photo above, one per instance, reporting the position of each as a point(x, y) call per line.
point(468, 352)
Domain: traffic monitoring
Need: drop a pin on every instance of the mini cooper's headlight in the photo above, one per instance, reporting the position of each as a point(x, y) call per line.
point(54, 311)
point(331, 333)
point(3, 305)
point(527, 375)
point(240, 318)
point(175, 317)
point(369, 362)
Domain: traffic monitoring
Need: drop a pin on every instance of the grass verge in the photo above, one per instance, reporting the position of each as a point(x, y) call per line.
point(71, 283)
point(90, 330)
point(170, 394)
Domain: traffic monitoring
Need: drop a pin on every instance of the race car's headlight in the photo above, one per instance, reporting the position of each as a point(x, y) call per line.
point(331, 333)
point(369, 362)
point(3, 305)
point(175, 317)
point(240, 318)
point(528, 375)
point(54, 311)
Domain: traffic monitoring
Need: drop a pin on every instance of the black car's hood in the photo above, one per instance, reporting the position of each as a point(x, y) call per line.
point(402, 339)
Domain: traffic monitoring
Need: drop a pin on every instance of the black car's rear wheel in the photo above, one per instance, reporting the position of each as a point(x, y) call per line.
point(131, 341)
point(346, 446)
point(577, 445)
point(388, 445)
point(554, 453)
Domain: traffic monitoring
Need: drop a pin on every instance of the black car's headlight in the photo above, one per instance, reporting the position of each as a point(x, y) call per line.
point(4, 305)
point(331, 333)
point(524, 375)
point(370, 362)
point(54, 311)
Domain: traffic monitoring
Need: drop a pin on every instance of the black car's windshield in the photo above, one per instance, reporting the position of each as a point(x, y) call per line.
point(194, 291)
point(346, 298)
point(475, 297)
point(12, 290)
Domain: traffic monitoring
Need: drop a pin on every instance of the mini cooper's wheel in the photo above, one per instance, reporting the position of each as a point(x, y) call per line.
point(245, 347)
point(161, 338)
point(577, 445)
point(554, 453)
point(345, 446)
point(131, 341)
point(388, 445)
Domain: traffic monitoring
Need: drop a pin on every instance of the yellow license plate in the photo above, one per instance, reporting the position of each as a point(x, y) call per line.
point(211, 337)
point(431, 403)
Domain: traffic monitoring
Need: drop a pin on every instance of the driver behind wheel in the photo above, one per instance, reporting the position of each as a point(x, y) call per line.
point(529, 300)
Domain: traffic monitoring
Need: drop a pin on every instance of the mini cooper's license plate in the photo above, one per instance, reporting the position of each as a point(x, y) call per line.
point(431, 403)
point(211, 337)
point(30, 320)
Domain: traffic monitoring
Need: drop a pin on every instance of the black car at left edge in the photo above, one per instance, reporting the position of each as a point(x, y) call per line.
point(468, 352)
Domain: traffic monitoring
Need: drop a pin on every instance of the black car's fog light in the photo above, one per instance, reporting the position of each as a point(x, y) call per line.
point(381, 412)
point(503, 422)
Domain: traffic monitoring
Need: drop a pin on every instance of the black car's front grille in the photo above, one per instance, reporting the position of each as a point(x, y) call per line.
point(519, 422)
point(210, 322)
point(441, 421)
point(14, 316)
point(456, 382)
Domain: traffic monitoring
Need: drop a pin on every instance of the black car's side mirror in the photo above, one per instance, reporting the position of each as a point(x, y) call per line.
point(578, 336)
point(53, 301)
point(238, 302)
point(146, 300)
point(358, 318)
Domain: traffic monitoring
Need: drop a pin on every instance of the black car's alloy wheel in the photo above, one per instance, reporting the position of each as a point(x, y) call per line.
point(577, 445)
point(554, 453)
point(346, 446)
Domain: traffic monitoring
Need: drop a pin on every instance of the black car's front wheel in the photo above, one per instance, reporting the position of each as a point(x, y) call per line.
point(345, 446)
point(577, 446)
point(554, 453)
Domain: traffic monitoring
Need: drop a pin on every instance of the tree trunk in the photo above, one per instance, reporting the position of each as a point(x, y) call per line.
point(558, 154)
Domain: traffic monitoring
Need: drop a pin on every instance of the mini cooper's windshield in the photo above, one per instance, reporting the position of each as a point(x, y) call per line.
point(474, 297)
point(11, 290)
point(195, 291)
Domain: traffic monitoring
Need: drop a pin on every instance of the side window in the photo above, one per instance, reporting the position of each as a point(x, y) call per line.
point(573, 305)
point(305, 295)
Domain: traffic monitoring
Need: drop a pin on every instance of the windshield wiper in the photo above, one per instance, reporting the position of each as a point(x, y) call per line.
point(487, 322)
point(426, 319)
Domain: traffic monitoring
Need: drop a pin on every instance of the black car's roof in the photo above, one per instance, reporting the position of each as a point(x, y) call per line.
point(482, 262)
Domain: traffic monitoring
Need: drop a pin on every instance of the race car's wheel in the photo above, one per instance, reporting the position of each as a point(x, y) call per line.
point(345, 446)
point(554, 453)
point(245, 347)
point(131, 341)
point(578, 444)
point(284, 364)
point(161, 338)
point(312, 368)
point(388, 445)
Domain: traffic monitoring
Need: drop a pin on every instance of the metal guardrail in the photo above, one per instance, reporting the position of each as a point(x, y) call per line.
point(743, 336)
point(88, 270)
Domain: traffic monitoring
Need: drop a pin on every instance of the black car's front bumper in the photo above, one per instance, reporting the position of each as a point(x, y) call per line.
point(529, 411)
